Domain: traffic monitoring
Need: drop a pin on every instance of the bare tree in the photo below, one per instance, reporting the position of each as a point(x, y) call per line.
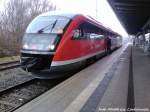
point(16, 16)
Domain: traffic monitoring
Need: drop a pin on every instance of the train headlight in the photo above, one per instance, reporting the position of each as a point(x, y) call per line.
point(25, 46)
point(51, 47)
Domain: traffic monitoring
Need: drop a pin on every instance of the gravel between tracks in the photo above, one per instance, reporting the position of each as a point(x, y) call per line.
point(21, 95)
point(12, 77)
point(17, 97)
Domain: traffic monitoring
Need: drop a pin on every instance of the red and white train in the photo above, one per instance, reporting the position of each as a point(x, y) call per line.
point(63, 41)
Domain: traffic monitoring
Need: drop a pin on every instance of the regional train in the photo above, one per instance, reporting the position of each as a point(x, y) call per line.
point(59, 42)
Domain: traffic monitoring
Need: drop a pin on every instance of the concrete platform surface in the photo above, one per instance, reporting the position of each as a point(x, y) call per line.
point(126, 93)
point(141, 77)
point(116, 94)
point(73, 94)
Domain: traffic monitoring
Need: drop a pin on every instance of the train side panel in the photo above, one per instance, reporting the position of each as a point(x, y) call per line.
point(74, 50)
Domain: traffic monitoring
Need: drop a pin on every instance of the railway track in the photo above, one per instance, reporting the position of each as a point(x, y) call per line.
point(9, 65)
point(14, 97)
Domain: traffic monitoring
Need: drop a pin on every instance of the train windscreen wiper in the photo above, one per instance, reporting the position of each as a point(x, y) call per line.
point(46, 27)
point(53, 25)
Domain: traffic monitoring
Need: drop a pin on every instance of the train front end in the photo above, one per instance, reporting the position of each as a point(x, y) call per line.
point(40, 42)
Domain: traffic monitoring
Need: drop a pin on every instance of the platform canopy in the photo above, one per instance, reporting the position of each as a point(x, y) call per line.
point(134, 15)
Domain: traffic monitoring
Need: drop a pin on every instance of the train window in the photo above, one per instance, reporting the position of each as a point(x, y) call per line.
point(77, 33)
point(92, 31)
point(87, 30)
point(48, 24)
point(96, 36)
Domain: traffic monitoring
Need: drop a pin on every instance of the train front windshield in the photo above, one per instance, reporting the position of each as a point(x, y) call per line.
point(43, 33)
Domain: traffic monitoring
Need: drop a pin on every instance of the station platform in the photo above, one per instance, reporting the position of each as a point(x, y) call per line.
point(118, 82)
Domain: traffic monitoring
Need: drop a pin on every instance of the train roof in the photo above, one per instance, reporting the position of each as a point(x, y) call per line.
point(60, 13)
point(71, 15)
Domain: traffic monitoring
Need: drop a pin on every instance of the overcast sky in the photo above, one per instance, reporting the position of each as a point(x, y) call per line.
point(1, 4)
point(104, 13)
